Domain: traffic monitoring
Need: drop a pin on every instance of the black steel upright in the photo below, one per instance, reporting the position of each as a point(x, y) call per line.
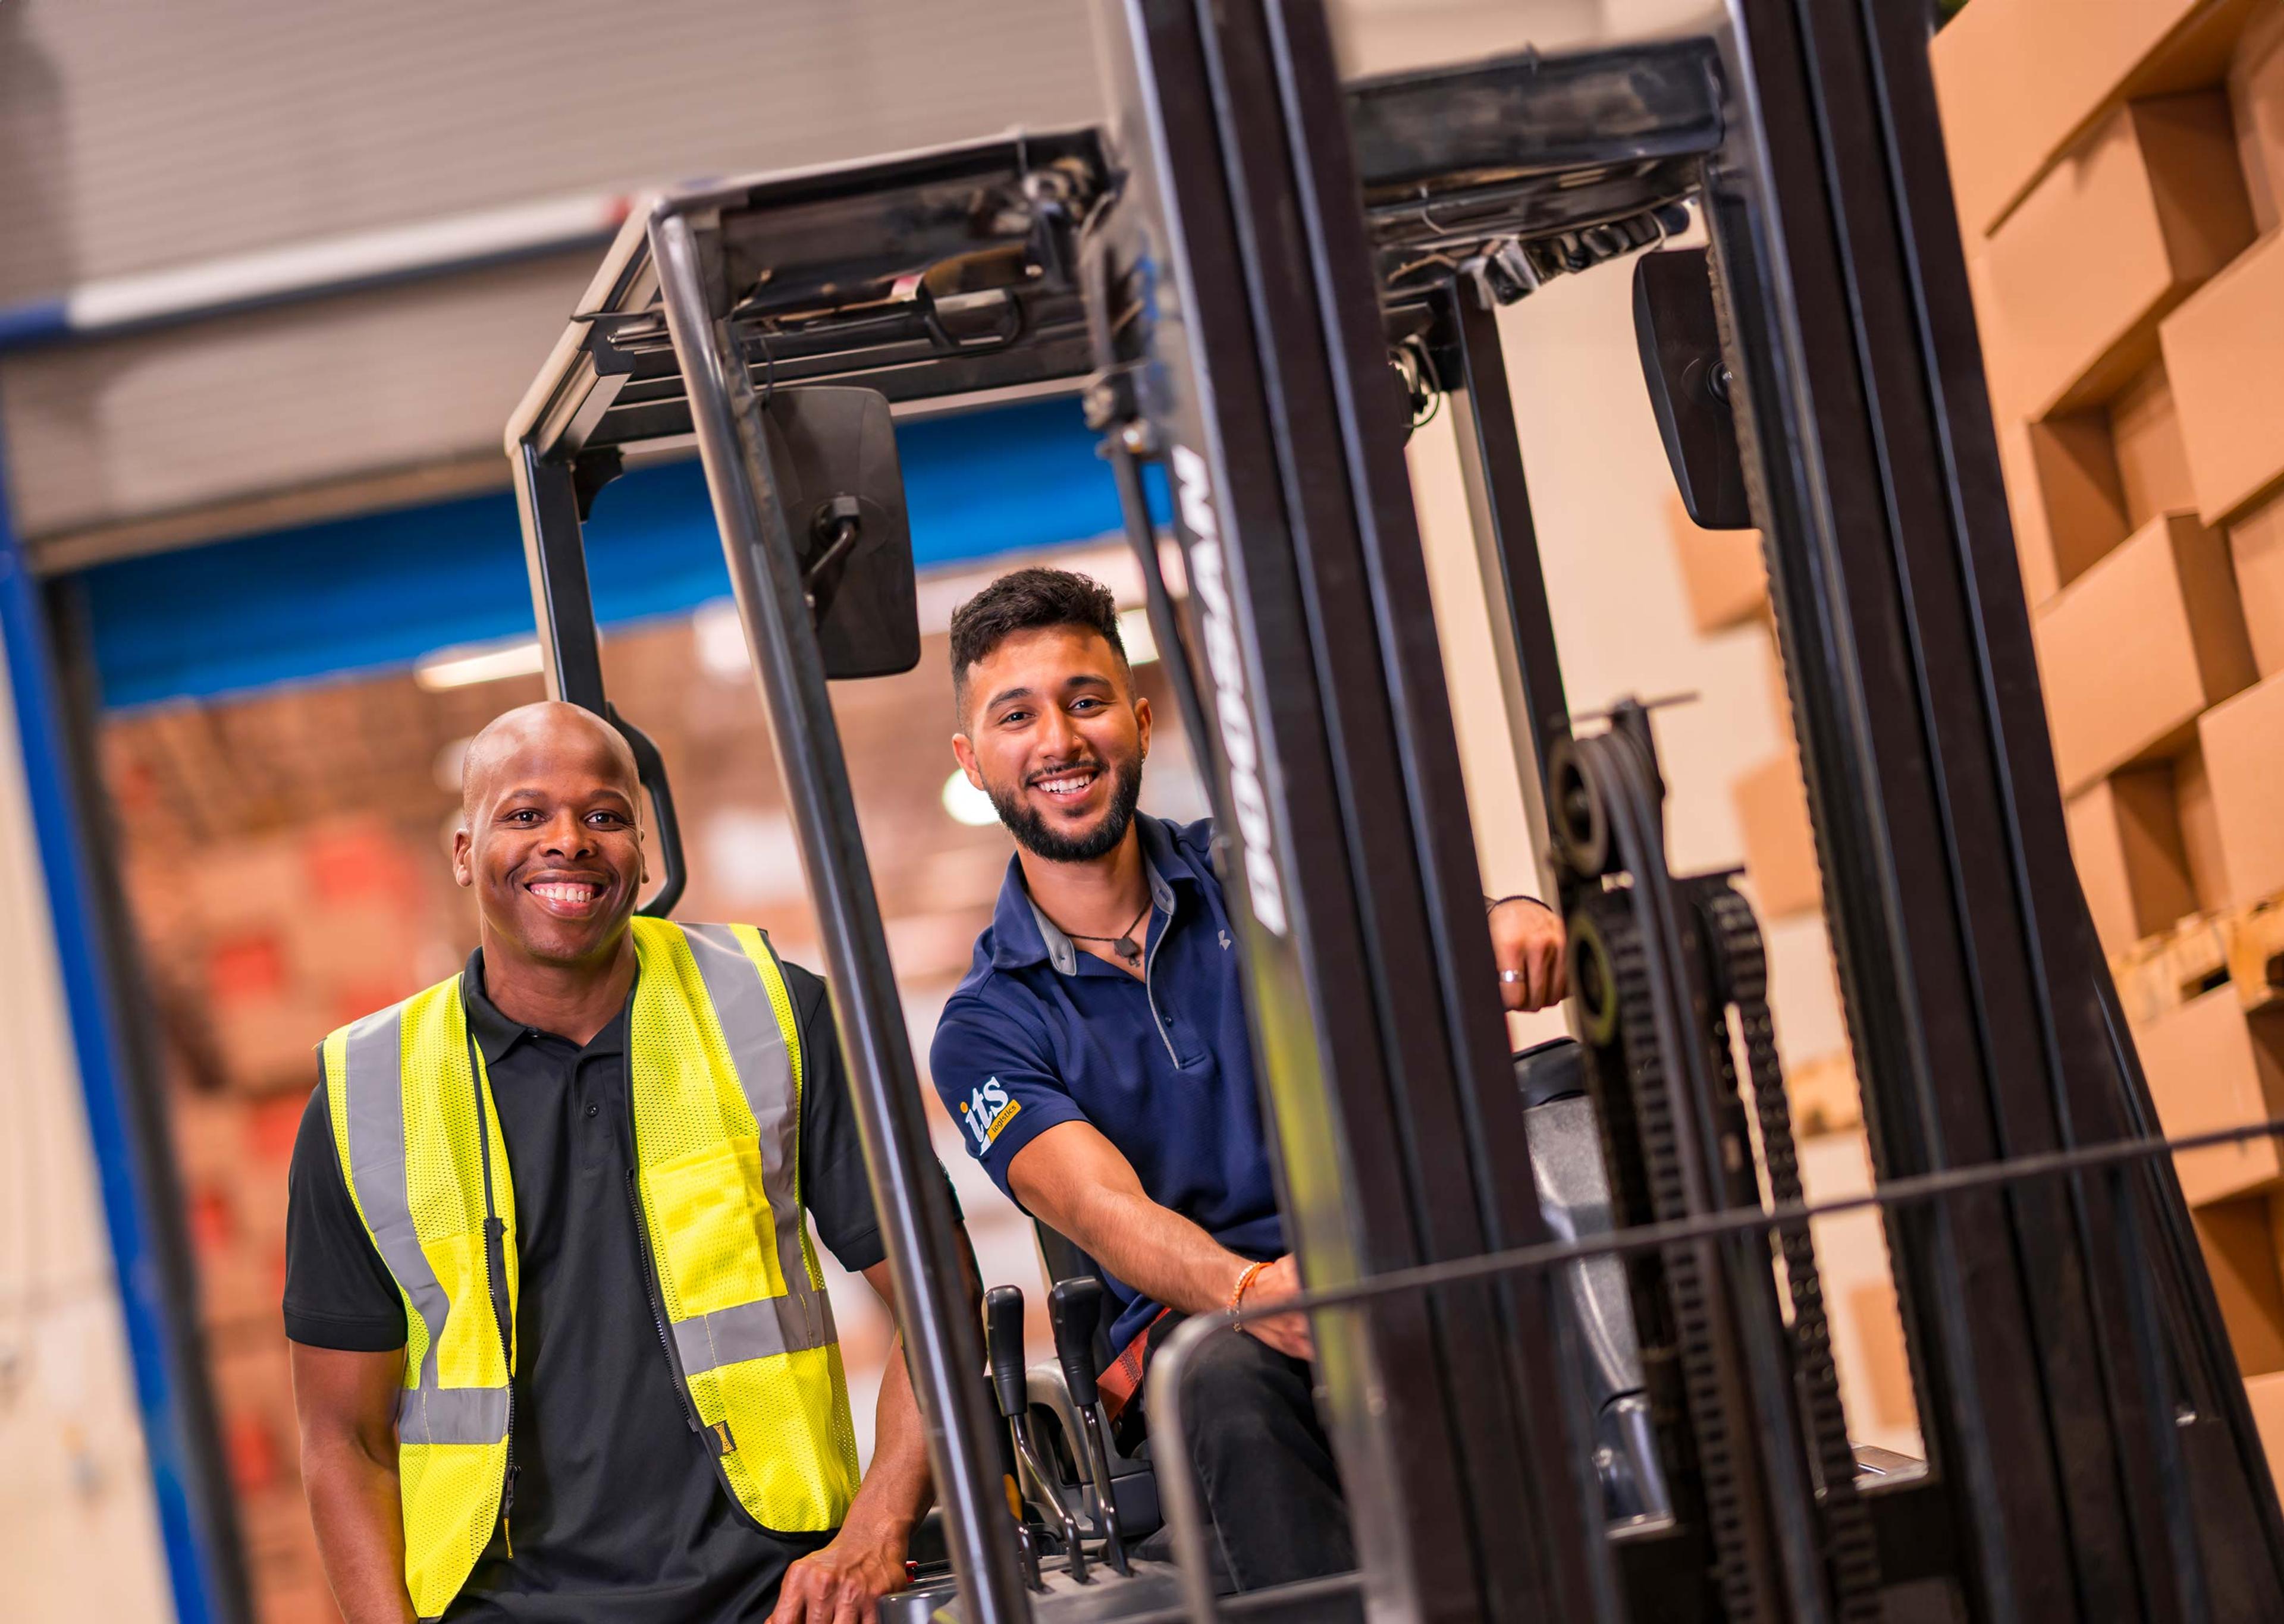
point(943, 1345)
point(1974, 987)
point(1260, 380)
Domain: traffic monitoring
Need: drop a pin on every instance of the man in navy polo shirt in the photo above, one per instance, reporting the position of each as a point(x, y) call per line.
point(1097, 1055)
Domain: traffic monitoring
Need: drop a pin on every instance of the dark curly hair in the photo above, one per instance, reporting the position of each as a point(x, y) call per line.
point(1027, 600)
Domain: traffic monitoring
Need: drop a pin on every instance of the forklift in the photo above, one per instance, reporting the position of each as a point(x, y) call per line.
point(1573, 1347)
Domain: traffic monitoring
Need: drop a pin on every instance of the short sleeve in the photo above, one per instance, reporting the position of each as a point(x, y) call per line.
point(834, 1185)
point(339, 1294)
point(999, 1080)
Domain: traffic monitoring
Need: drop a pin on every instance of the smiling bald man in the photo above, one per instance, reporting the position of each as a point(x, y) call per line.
point(560, 1348)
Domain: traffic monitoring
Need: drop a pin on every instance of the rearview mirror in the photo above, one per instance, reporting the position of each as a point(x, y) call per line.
point(1679, 335)
point(834, 455)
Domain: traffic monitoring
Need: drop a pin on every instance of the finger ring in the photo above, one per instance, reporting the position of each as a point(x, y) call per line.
point(1512, 975)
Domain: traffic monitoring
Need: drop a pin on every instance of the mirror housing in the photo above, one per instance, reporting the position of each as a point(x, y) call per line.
point(1679, 335)
point(832, 456)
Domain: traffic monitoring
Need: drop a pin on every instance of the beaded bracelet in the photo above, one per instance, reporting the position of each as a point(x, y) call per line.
point(1237, 1297)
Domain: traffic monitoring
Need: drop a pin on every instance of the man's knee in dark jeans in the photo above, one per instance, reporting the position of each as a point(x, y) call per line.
point(1264, 1465)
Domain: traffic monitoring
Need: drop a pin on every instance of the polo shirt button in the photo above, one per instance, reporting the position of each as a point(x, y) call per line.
point(594, 1110)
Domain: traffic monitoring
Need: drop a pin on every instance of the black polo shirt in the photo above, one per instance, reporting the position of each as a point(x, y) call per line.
point(619, 1512)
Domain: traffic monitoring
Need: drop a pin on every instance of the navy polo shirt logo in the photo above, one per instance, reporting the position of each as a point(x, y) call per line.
point(987, 1110)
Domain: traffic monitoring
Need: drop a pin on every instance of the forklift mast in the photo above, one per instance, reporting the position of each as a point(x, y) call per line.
point(1250, 273)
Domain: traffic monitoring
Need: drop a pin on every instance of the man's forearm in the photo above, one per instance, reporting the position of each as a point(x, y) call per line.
point(896, 1488)
point(1155, 1250)
point(358, 1509)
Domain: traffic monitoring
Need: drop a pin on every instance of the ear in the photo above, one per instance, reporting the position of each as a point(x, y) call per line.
point(963, 749)
point(464, 873)
point(1142, 726)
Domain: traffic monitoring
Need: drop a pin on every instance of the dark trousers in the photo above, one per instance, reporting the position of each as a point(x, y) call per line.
point(1264, 1465)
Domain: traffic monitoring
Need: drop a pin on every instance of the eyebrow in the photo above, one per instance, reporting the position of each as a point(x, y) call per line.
point(1083, 680)
point(543, 792)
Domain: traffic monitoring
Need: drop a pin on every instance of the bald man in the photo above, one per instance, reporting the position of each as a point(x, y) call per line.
point(559, 1346)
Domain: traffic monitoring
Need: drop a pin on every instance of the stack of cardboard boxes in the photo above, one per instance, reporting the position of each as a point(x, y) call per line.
point(2119, 170)
point(257, 947)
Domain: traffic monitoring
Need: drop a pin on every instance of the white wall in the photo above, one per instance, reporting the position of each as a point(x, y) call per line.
point(79, 1538)
point(1599, 488)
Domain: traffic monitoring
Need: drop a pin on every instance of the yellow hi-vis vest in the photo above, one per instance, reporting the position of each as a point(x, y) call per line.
point(714, 1055)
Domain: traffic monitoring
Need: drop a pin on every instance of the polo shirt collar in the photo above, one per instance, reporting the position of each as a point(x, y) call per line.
point(1021, 934)
point(496, 1034)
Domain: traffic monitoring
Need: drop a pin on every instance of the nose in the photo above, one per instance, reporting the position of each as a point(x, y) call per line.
point(566, 836)
point(1059, 736)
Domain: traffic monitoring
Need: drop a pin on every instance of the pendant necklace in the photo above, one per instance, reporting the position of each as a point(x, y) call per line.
point(1123, 944)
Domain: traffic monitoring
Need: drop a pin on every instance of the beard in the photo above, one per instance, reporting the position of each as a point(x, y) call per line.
point(1030, 829)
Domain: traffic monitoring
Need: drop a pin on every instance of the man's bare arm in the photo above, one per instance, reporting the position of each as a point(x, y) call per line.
point(347, 1403)
point(1084, 1187)
point(845, 1581)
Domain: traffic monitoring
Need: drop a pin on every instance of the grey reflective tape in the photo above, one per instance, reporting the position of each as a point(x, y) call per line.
point(750, 1330)
point(374, 1074)
point(757, 1049)
point(452, 1415)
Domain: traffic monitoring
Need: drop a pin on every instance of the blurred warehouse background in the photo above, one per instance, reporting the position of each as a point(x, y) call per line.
point(274, 278)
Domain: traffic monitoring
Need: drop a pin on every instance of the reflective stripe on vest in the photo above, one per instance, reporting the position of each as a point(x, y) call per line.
point(714, 1055)
point(428, 1412)
point(768, 1077)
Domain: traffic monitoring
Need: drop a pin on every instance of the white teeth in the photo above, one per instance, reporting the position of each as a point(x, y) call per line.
point(567, 894)
point(1066, 786)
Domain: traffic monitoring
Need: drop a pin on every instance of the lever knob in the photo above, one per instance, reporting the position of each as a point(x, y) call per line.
point(1073, 1308)
point(1003, 1341)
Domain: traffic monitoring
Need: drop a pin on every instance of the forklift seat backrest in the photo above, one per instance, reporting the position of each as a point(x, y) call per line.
point(1060, 1259)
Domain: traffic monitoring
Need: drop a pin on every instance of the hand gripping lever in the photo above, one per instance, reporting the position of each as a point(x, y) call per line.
point(1073, 1308)
point(1003, 1341)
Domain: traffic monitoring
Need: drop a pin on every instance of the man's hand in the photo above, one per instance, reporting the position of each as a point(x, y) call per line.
point(844, 1583)
point(1528, 943)
point(1288, 1333)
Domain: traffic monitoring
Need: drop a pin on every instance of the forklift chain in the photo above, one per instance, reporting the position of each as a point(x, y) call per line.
point(1849, 1548)
point(1710, 1423)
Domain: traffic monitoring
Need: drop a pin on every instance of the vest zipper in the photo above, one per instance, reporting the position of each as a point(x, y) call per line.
point(657, 1309)
point(495, 1280)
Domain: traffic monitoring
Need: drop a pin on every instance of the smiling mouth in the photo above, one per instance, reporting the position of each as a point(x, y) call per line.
point(570, 898)
point(1067, 786)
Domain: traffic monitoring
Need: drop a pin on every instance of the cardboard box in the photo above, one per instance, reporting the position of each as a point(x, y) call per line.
point(2255, 547)
point(2266, 1395)
point(2139, 214)
point(2243, 743)
point(1771, 806)
point(2132, 650)
point(2224, 354)
point(2256, 95)
point(2125, 834)
point(1825, 1096)
point(1721, 572)
point(2066, 496)
point(2144, 438)
point(2200, 831)
point(2239, 1243)
point(2210, 1066)
point(2016, 80)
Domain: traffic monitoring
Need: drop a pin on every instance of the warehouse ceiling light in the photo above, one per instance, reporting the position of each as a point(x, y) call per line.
point(471, 663)
point(1134, 632)
point(721, 638)
point(967, 804)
